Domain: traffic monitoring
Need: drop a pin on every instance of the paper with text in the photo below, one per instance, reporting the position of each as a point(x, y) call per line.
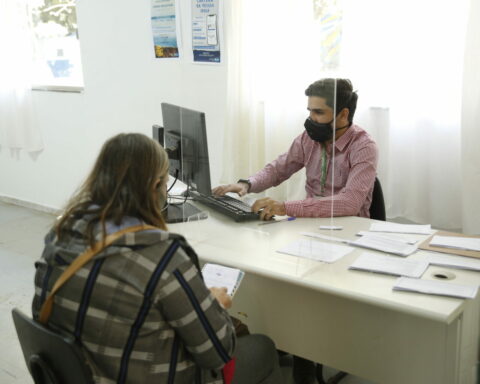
point(401, 228)
point(379, 243)
point(395, 236)
point(452, 261)
point(390, 265)
point(431, 287)
point(216, 275)
point(316, 250)
point(467, 243)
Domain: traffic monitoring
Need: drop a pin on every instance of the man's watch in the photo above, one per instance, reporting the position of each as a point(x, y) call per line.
point(246, 181)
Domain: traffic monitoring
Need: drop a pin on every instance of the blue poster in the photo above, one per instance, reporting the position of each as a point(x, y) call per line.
point(164, 28)
point(205, 31)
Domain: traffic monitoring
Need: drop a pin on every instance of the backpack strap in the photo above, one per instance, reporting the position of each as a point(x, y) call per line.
point(79, 262)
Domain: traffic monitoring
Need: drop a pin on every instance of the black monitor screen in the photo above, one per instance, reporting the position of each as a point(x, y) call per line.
point(185, 138)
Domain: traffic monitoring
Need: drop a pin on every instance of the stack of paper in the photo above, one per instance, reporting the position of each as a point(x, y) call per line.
point(435, 288)
point(467, 243)
point(316, 250)
point(396, 236)
point(215, 275)
point(453, 261)
point(390, 265)
point(401, 228)
point(372, 241)
point(379, 243)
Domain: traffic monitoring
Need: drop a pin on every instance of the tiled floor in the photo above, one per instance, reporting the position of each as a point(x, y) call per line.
point(21, 239)
point(21, 242)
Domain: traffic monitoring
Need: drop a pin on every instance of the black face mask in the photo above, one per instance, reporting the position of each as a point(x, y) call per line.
point(321, 132)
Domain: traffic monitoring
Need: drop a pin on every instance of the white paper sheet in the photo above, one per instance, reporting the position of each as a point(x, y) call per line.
point(401, 228)
point(316, 250)
point(325, 237)
point(379, 243)
point(431, 287)
point(395, 236)
point(216, 275)
point(453, 261)
point(466, 243)
point(391, 265)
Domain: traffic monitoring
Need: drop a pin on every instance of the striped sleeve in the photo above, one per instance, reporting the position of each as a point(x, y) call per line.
point(188, 306)
point(351, 198)
point(279, 169)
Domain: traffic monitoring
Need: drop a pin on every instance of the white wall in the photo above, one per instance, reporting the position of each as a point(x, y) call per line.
point(124, 86)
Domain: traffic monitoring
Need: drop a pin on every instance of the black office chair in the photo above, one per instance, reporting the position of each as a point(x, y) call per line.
point(377, 208)
point(51, 358)
point(377, 212)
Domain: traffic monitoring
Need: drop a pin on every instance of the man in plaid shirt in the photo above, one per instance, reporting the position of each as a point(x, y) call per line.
point(340, 171)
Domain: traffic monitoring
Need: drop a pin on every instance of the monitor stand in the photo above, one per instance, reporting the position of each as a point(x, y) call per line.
point(179, 213)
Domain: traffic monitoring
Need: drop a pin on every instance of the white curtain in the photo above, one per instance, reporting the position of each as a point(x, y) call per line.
point(270, 63)
point(17, 128)
point(470, 124)
point(406, 61)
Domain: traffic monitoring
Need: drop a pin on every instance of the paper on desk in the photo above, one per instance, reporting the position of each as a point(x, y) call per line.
point(431, 287)
point(395, 236)
point(453, 261)
point(467, 243)
point(372, 241)
point(390, 265)
point(401, 228)
point(316, 250)
point(379, 243)
point(325, 237)
point(215, 275)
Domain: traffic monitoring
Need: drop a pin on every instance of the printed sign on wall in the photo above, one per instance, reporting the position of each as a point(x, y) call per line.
point(164, 28)
point(205, 31)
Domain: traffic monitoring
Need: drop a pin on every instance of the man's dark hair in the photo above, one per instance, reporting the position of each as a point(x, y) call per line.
point(346, 97)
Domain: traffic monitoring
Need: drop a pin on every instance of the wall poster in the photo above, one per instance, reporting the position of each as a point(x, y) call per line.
point(164, 28)
point(206, 16)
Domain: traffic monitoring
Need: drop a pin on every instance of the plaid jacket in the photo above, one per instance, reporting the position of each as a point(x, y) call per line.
point(139, 308)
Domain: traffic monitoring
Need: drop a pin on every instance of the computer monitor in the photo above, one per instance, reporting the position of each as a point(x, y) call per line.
point(185, 140)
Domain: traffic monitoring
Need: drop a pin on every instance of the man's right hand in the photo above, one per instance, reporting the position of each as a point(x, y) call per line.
point(240, 188)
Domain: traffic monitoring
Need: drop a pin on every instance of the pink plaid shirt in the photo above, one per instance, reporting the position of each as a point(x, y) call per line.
point(355, 165)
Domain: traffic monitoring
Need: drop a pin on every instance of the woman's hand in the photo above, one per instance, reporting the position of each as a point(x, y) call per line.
point(222, 296)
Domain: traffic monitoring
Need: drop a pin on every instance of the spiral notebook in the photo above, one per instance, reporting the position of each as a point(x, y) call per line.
point(216, 275)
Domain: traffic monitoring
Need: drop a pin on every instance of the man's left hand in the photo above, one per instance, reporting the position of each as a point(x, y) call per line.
point(269, 207)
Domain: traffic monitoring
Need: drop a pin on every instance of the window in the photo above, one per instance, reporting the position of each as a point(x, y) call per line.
point(328, 15)
point(56, 45)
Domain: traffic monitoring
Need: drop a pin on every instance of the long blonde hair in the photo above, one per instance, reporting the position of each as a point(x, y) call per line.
point(121, 183)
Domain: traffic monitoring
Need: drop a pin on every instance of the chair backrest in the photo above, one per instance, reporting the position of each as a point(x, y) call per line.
point(51, 358)
point(377, 208)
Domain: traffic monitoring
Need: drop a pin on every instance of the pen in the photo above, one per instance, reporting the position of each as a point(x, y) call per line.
point(277, 221)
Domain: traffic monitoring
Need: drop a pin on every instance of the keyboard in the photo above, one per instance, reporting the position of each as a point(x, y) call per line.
point(234, 208)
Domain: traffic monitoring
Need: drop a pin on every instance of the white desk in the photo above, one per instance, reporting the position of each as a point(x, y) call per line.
point(349, 320)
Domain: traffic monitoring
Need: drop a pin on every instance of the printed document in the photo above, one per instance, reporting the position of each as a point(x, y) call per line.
point(466, 243)
point(216, 275)
point(401, 228)
point(430, 287)
point(453, 261)
point(395, 236)
point(391, 265)
point(379, 243)
point(372, 241)
point(316, 250)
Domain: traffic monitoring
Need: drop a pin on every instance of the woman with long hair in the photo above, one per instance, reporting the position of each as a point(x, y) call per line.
point(140, 308)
